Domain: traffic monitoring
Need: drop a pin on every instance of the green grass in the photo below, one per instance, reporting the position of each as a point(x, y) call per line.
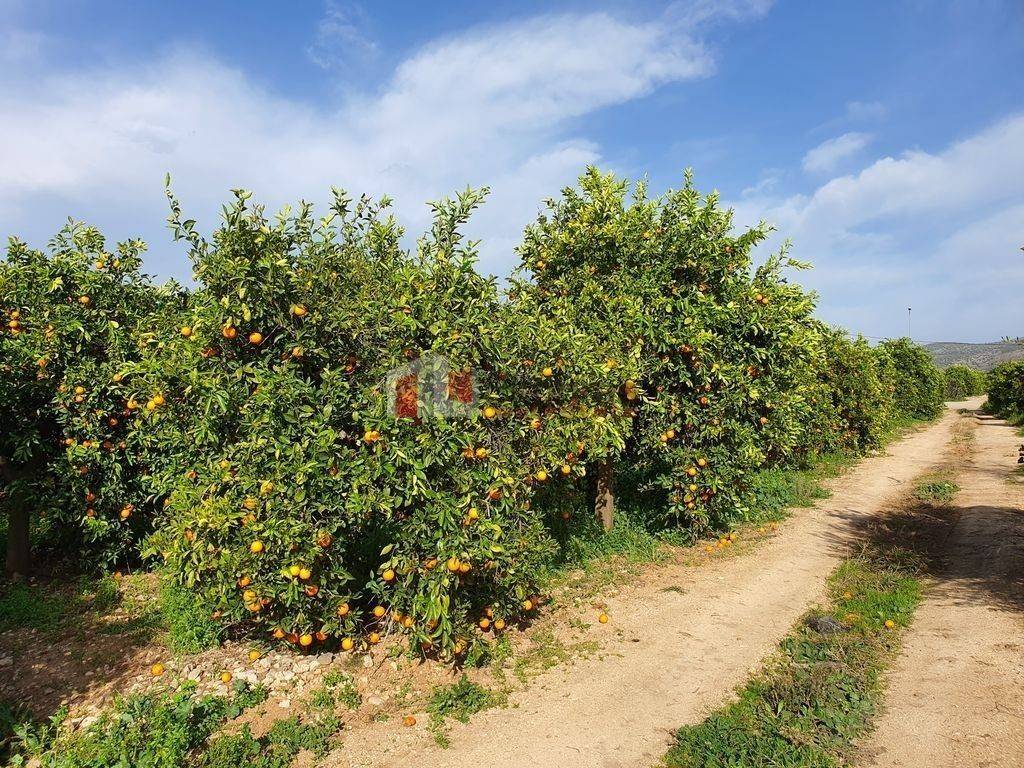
point(156, 730)
point(459, 701)
point(936, 488)
point(189, 626)
point(277, 749)
point(819, 693)
point(46, 607)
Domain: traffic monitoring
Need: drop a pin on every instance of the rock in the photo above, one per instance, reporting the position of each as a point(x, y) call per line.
point(375, 701)
point(285, 703)
point(825, 625)
point(367, 661)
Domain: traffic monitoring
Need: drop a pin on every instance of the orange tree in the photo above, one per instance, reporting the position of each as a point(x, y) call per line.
point(349, 437)
point(718, 355)
point(1006, 389)
point(916, 382)
point(852, 403)
point(72, 315)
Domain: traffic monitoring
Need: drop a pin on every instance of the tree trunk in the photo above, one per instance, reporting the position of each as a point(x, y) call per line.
point(19, 552)
point(604, 499)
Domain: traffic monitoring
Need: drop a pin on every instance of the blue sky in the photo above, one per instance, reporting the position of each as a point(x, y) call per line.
point(884, 139)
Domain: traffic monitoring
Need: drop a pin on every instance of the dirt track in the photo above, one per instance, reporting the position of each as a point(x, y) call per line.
point(674, 654)
point(956, 694)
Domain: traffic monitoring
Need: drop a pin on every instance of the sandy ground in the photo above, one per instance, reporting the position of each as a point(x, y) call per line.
point(672, 654)
point(956, 693)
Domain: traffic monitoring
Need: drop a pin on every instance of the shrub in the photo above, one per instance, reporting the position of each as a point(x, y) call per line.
point(962, 381)
point(72, 315)
point(1006, 388)
point(916, 383)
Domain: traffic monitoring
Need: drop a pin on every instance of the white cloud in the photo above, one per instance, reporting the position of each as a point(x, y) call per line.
point(829, 154)
point(490, 106)
point(341, 38)
point(937, 231)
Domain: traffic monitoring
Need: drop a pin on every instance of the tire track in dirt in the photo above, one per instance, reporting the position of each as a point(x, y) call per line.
point(956, 693)
point(677, 654)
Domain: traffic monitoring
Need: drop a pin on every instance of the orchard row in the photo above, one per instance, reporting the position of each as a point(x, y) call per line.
point(328, 438)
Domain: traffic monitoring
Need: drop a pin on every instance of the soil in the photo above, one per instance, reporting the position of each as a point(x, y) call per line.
point(678, 642)
point(956, 693)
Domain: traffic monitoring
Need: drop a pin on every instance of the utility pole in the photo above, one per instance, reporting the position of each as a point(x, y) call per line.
point(910, 334)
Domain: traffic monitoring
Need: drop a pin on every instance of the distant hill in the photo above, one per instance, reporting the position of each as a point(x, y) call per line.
point(984, 357)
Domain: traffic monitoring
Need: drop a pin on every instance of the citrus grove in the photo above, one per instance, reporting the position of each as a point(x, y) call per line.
point(329, 439)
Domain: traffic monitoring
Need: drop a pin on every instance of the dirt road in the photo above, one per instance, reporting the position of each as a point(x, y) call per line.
point(956, 695)
point(670, 655)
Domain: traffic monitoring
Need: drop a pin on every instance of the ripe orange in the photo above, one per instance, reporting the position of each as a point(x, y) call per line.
point(255, 338)
point(535, 424)
point(480, 453)
point(465, 567)
point(305, 640)
point(229, 332)
point(889, 623)
point(84, 301)
point(156, 670)
point(254, 655)
point(566, 469)
point(408, 721)
point(702, 462)
point(499, 624)
point(709, 548)
point(389, 575)
point(343, 609)
point(548, 372)
point(373, 638)
point(256, 547)
point(541, 475)
point(527, 605)
point(225, 677)
point(485, 623)
point(473, 514)
point(490, 412)
point(347, 644)
point(371, 436)
point(186, 331)
point(299, 311)
point(305, 573)
point(453, 564)
point(379, 611)
point(278, 634)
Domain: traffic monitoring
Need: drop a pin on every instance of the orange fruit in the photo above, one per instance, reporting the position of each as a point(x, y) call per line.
point(548, 372)
point(278, 634)
point(254, 655)
point(186, 331)
point(541, 475)
point(408, 721)
point(347, 644)
point(485, 623)
point(225, 677)
point(889, 623)
point(603, 618)
point(256, 547)
point(255, 338)
point(453, 564)
point(379, 611)
point(499, 624)
point(299, 311)
point(527, 605)
point(373, 638)
point(305, 573)
point(490, 412)
point(343, 609)
point(389, 575)
point(229, 332)
point(305, 640)
point(156, 670)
